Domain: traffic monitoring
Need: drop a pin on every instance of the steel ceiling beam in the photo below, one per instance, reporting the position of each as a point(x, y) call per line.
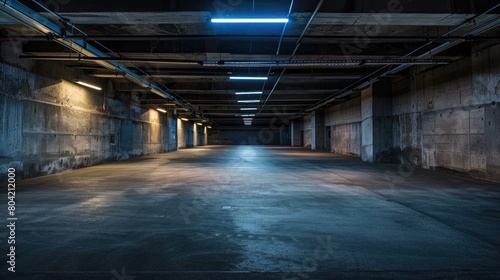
point(272, 38)
point(305, 39)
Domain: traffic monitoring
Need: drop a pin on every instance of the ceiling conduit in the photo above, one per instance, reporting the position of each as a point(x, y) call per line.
point(43, 25)
point(297, 45)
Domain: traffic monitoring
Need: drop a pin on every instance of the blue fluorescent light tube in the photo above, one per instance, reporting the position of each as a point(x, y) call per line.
point(250, 92)
point(249, 20)
point(248, 101)
point(248, 78)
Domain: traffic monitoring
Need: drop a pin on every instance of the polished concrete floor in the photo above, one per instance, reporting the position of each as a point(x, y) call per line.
point(246, 212)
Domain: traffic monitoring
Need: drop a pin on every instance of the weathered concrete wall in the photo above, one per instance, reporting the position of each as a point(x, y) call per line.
point(185, 134)
point(199, 135)
point(49, 124)
point(448, 117)
point(308, 126)
point(345, 122)
point(442, 117)
point(296, 130)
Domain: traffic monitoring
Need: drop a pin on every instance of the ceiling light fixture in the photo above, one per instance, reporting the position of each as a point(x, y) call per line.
point(200, 124)
point(88, 85)
point(248, 109)
point(250, 92)
point(249, 20)
point(248, 78)
point(248, 101)
point(184, 119)
point(250, 115)
point(161, 110)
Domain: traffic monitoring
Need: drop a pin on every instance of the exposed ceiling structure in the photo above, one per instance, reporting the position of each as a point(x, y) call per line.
point(173, 56)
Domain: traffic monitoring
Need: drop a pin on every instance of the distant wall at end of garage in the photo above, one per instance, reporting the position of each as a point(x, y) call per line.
point(264, 136)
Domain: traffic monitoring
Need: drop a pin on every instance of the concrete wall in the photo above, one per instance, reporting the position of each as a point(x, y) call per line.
point(190, 135)
point(449, 117)
point(442, 117)
point(185, 134)
point(49, 124)
point(308, 124)
point(296, 131)
point(345, 122)
point(200, 135)
point(250, 136)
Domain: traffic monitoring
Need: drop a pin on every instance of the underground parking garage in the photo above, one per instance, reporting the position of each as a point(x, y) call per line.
point(250, 139)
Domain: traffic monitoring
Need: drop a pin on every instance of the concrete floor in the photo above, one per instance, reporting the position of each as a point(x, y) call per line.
point(245, 212)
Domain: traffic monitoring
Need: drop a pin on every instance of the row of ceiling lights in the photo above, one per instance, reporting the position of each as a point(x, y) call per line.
point(86, 84)
point(248, 118)
point(89, 85)
point(184, 119)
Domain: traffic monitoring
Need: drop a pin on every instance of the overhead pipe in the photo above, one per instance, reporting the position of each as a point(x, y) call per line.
point(323, 63)
point(43, 25)
point(246, 64)
point(277, 51)
point(297, 45)
point(121, 59)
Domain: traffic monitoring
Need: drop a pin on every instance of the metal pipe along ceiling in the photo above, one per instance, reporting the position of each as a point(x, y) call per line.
point(297, 45)
point(43, 25)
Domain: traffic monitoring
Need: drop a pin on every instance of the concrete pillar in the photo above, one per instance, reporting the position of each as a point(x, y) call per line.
point(296, 133)
point(190, 135)
point(165, 132)
point(376, 125)
point(205, 136)
point(318, 130)
point(172, 128)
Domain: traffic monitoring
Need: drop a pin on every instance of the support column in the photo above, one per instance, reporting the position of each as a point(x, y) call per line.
point(297, 133)
point(376, 126)
point(318, 130)
point(172, 127)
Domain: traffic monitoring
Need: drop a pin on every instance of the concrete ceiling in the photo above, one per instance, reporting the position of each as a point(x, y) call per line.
point(309, 61)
